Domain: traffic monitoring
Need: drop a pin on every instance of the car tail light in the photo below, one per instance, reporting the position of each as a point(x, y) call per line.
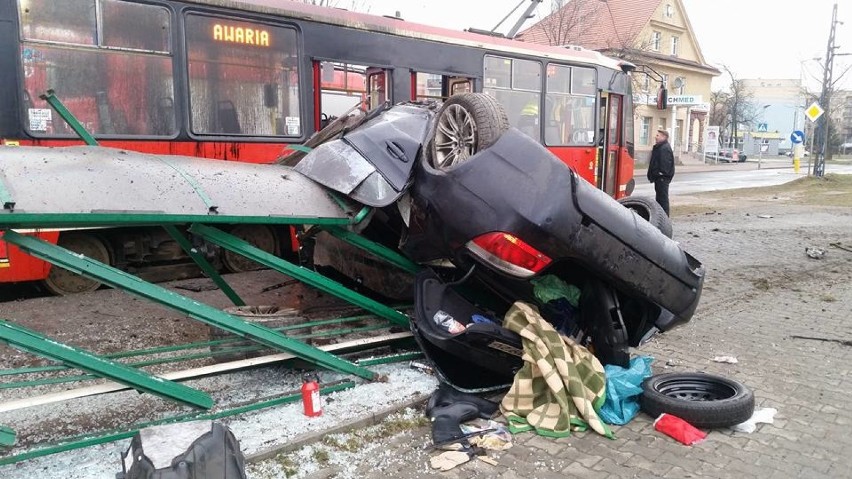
point(509, 254)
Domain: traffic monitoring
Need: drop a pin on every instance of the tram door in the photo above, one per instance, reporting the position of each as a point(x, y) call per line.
point(609, 142)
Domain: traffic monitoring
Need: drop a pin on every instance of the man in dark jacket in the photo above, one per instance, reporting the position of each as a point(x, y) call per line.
point(661, 169)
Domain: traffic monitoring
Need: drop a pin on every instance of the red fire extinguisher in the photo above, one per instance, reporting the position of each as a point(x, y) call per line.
point(311, 396)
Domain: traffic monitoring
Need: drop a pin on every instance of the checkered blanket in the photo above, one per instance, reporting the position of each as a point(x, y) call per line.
point(560, 387)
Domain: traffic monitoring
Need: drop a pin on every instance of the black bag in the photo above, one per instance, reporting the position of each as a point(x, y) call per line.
point(205, 450)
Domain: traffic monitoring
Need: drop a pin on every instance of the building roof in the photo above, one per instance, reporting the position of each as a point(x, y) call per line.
point(608, 26)
point(593, 24)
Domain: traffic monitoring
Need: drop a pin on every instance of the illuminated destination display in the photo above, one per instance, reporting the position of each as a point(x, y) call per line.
point(241, 35)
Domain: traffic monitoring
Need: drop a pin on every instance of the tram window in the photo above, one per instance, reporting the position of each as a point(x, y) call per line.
point(134, 25)
point(112, 92)
point(583, 81)
point(568, 116)
point(343, 86)
point(461, 87)
point(516, 84)
point(243, 77)
point(429, 85)
point(71, 21)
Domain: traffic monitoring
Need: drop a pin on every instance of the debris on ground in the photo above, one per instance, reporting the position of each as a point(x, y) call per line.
point(448, 460)
point(198, 285)
point(764, 415)
point(726, 359)
point(493, 436)
point(815, 253)
point(623, 389)
point(678, 429)
point(765, 217)
point(844, 342)
point(840, 245)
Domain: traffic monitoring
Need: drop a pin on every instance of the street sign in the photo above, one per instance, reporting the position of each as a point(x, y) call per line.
point(679, 100)
point(711, 139)
point(797, 137)
point(814, 111)
point(762, 127)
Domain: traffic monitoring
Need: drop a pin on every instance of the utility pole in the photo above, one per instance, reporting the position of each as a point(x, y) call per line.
point(824, 123)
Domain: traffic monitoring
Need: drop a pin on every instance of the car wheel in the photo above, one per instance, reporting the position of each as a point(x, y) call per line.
point(703, 400)
point(465, 124)
point(650, 210)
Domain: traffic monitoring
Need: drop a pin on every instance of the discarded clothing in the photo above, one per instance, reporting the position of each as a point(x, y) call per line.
point(561, 385)
point(550, 288)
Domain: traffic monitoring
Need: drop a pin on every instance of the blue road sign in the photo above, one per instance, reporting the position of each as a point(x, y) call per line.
point(762, 127)
point(797, 137)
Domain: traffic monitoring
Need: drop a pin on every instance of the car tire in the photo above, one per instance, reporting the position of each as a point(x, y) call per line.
point(466, 124)
point(650, 211)
point(703, 400)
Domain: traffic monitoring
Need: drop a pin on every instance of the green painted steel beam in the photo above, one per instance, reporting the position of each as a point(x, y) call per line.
point(120, 280)
point(377, 249)
point(7, 436)
point(179, 347)
point(87, 440)
point(205, 265)
point(307, 276)
point(32, 342)
point(20, 219)
point(69, 118)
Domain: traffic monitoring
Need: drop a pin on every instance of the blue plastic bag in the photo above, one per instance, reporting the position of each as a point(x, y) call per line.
point(623, 387)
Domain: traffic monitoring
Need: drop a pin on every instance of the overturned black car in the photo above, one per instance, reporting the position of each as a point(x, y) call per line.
point(496, 218)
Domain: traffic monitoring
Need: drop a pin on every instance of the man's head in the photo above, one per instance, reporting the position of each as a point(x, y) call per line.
point(661, 136)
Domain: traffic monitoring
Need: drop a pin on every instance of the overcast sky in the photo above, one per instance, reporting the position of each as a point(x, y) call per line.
point(754, 38)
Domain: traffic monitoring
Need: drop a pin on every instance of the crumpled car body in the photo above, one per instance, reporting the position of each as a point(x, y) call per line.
point(509, 214)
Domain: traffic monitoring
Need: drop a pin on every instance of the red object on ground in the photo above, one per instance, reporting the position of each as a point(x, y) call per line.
point(679, 429)
point(311, 398)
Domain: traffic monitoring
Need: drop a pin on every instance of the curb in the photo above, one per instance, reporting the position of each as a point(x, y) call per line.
point(315, 436)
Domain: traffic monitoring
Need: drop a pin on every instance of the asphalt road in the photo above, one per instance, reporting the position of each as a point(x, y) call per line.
point(697, 178)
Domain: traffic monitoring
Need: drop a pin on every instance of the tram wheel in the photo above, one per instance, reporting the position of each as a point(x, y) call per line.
point(62, 282)
point(259, 236)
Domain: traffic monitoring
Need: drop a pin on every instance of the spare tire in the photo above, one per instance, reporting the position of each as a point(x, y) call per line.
point(650, 211)
point(703, 400)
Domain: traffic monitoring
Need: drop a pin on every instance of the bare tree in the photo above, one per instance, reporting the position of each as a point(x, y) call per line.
point(566, 23)
point(719, 114)
point(739, 104)
point(354, 5)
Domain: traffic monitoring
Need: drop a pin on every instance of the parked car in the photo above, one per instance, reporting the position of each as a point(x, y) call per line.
point(504, 212)
point(727, 155)
point(805, 153)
